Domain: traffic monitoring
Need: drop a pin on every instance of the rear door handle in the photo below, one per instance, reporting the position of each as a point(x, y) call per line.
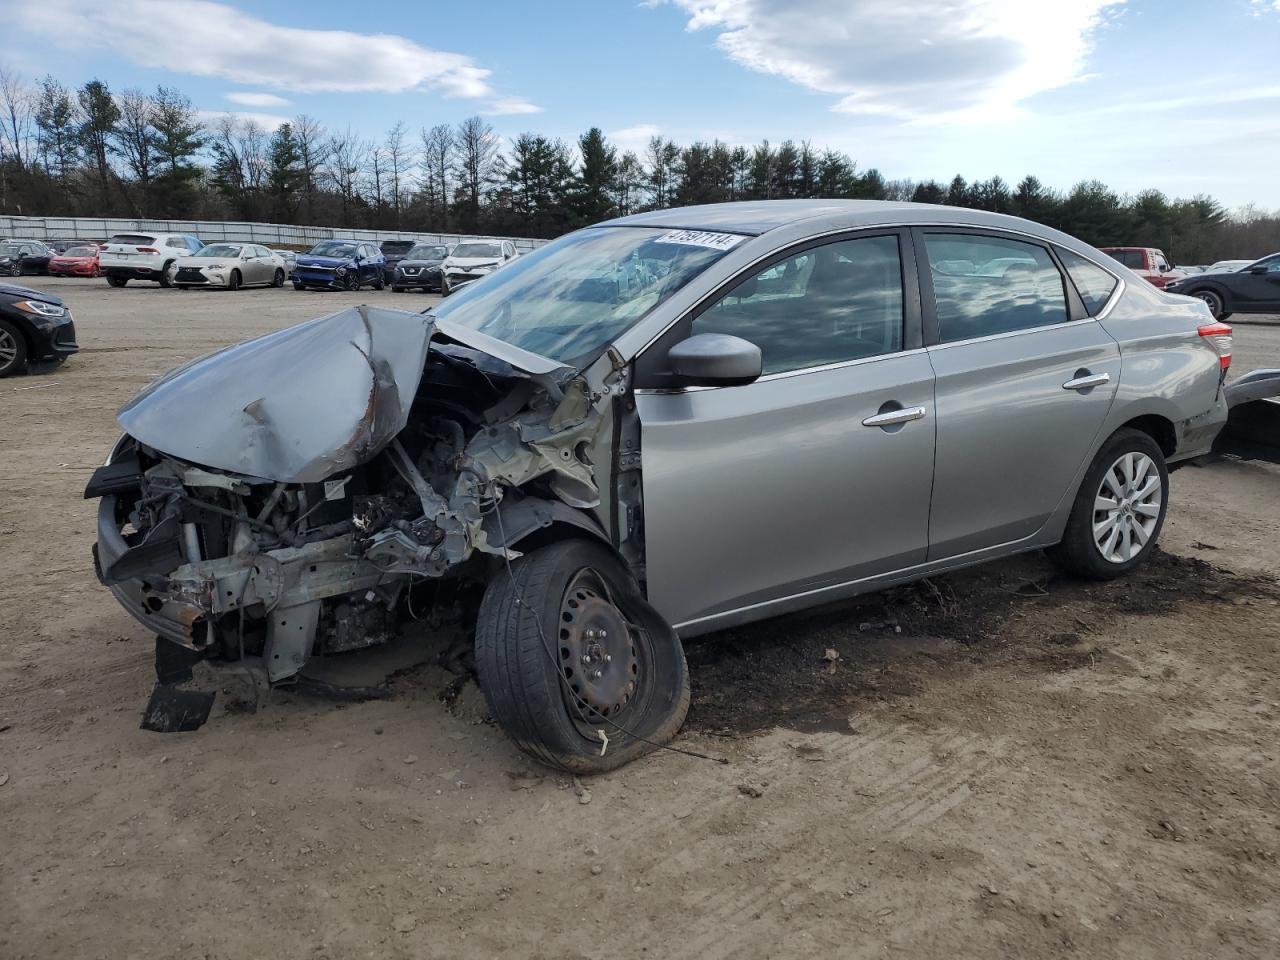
point(894, 417)
point(1087, 382)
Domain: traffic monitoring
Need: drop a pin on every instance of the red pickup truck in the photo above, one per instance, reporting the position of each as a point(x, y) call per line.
point(1147, 262)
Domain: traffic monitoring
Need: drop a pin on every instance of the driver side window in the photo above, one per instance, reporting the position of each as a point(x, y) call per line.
point(827, 304)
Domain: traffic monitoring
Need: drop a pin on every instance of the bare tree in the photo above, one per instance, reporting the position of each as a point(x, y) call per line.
point(398, 159)
point(313, 152)
point(17, 102)
point(345, 153)
point(438, 148)
point(133, 139)
point(477, 147)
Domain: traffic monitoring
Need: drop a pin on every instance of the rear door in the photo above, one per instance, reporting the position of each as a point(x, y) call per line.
point(818, 473)
point(1025, 377)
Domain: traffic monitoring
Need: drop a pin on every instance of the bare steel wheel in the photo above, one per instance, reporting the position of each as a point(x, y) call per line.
point(567, 648)
point(1126, 508)
point(1119, 508)
point(597, 649)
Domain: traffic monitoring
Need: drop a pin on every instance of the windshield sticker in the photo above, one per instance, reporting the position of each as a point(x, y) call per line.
point(701, 238)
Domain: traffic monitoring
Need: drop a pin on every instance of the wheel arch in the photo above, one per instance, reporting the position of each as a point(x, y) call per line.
point(533, 522)
point(1159, 428)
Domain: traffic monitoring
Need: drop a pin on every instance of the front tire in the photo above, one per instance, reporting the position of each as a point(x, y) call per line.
point(1119, 510)
point(233, 282)
point(278, 279)
point(566, 646)
point(166, 280)
point(15, 270)
point(395, 289)
point(299, 286)
point(13, 349)
point(1213, 301)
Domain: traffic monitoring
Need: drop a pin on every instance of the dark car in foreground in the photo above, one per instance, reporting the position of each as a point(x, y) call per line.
point(35, 327)
point(18, 257)
point(393, 251)
point(650, 429)
point(339, 265)
point(420, 269)
point(1254, 288)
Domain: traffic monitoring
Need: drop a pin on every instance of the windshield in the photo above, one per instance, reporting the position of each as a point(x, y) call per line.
point(333, 248)
point(478, 250)
point(396, 246)
point(568, 299)
point(220, 250)
point(426, 251)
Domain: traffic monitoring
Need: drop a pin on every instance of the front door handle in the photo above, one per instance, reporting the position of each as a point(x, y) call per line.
point(894, 417)
point(1087, 381)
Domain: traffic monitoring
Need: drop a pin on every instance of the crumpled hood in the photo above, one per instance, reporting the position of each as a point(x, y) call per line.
point(297, 405)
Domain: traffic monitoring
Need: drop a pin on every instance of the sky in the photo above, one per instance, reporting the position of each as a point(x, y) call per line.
point(1180, 95)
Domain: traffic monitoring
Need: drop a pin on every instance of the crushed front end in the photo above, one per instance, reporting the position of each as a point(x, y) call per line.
point(310, 492)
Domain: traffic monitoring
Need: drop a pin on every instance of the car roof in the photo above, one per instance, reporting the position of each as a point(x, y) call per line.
point(757, 217)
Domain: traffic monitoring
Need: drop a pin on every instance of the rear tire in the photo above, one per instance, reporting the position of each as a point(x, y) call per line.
point(117, 281)
point(13, 349)
point(552, 681)
point(1117, 509)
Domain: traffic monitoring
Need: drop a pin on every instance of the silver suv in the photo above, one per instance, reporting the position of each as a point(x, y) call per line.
point(650, 429)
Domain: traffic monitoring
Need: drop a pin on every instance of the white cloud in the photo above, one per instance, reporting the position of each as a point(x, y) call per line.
point(925, 59)
point(267, 121)
point(509, 105)
point(634, 138)
point(249, 99)
point(217, 40)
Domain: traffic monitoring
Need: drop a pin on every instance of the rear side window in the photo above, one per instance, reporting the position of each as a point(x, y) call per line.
point(1133, 259)
point(984, 286)
point(1094, 284)
point(829, 304)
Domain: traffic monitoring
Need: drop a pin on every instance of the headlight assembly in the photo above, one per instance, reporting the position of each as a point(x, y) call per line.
point(40, 308)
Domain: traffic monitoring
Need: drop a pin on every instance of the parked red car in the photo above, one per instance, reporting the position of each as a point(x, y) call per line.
point(79, 261)
point(1147, 262)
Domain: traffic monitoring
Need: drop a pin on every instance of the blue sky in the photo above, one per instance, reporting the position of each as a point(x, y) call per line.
point(1179, 95)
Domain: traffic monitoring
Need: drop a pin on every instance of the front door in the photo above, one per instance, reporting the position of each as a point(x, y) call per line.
point(815, 475)
point(1025, 379)
point(1257, 292)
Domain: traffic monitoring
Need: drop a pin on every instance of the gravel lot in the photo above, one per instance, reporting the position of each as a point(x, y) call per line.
point(1025, 766)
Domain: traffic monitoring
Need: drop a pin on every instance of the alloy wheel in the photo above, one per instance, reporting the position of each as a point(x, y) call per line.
point(1126, 507)
point(8, 349)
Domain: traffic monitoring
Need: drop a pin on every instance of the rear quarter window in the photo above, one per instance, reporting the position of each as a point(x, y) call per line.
point(1133, 259)
point(1094, 284)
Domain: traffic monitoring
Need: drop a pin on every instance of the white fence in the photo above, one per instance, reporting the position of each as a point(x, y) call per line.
point(268, 234)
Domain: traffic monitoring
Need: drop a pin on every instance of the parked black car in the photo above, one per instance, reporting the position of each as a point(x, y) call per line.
point(35, 326)
point(1252, 289)
point(420, 269)
point(394, 251)
point(23, 256)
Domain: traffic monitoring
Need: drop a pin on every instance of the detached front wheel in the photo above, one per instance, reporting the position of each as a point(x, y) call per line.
point(567, 647)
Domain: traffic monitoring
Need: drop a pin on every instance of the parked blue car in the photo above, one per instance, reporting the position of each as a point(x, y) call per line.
point(339, 265)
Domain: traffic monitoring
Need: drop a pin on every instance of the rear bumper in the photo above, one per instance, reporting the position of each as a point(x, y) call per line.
point(134, 272)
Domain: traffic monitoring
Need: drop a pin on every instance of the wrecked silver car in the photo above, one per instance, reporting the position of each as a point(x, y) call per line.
point(650, 429)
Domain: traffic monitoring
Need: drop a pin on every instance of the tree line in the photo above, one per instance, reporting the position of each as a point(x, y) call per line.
point(91, 151)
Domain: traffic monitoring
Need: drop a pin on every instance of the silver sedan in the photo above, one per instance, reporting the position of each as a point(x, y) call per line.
point(230, 266)
point(650, 429)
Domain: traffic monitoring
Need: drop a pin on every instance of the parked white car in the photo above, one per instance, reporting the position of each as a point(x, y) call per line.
point(144, 256)
point(1228, 266)
point(472, 259)
point(231, 266)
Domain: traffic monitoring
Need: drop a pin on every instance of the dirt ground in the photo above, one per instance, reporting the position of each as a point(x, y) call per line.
point(997, 763)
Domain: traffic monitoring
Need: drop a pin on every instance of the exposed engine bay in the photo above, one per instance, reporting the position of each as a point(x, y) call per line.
point(319, 506)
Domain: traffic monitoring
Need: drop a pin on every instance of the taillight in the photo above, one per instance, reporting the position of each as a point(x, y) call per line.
point(1219, 337)
point(147, 249)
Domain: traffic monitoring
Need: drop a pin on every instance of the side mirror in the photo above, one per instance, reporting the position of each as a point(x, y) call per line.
point(715, 360)
point(1260, 268)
